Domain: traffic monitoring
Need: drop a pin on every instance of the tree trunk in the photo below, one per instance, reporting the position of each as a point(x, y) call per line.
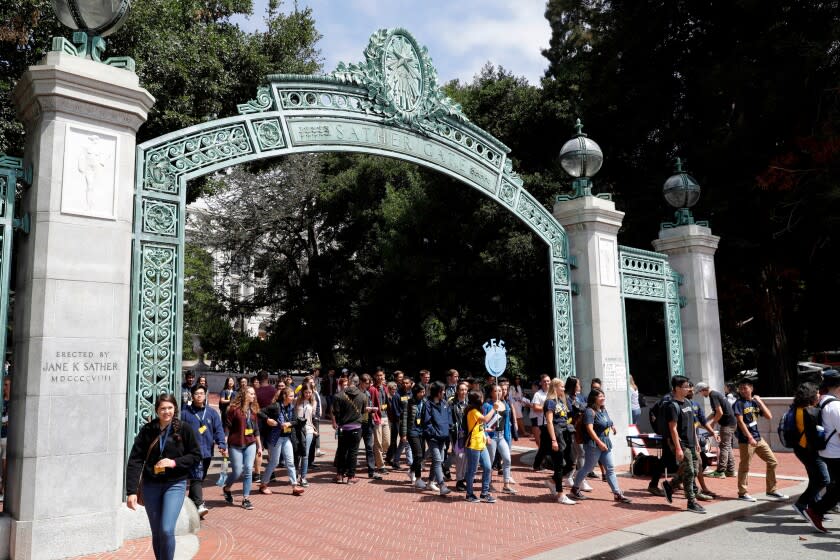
point(776, 367)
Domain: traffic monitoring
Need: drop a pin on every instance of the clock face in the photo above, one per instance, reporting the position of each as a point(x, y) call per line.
point(403, 73)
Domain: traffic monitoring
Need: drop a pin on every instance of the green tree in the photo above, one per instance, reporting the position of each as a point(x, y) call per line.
point(204, 313)
point(747, 92)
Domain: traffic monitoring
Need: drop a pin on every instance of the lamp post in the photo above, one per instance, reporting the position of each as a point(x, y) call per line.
point(91, 20)
point(682, 192)
point(581, 157)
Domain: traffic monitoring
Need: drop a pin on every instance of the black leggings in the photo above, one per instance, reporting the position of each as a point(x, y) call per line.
point(560, 459)
point(417, 452)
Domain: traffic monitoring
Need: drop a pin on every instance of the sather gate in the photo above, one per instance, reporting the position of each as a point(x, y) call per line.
point(391, 105)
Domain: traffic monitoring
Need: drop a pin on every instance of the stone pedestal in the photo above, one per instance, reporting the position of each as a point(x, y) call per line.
point(67, 440)
point(691, 250)
point(592, 226)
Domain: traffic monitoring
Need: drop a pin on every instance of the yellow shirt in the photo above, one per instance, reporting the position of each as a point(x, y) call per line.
point(800, 426)
point(475, 430)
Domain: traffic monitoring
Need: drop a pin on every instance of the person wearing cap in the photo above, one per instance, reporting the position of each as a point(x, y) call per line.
point(725, 420)
point(830, 405)
point(748, 408)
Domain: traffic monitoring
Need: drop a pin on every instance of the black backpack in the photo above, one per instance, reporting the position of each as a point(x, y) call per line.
point(657, 418)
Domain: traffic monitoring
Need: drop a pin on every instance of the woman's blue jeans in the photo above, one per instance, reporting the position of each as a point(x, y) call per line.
point(163, 503)
point(304, 459)
point(241, 465)
point(475, 457)
point(592, 456)
point(282, 448)
point(498, 444)
point(437, 447)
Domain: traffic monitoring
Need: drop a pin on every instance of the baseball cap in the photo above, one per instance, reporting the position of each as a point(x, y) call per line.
point(831, 374)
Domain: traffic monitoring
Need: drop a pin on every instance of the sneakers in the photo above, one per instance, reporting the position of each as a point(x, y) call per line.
point(228, 496)
point(304, 483)
point(669, 491)
point(488, 499)
point(444, 490)
point(569, 481)
point(298, 490)
point(411, 476)
point(351, 480)
point(703, 497)
point(619, 497)
point(716, 474)
point(432, 485)
point(319, 453)
point(585, 486)
point(510, 481)
point(565, 500)
point(799, 510)
point(472, 499)
point(420, 484)
point(746, 498)
point(508, 490)
point(731, 474)
point(246, 504)
point(592, 475)
point(656, 491)
point(202, 511)
point(777, 496)
point(376, 476)
point(550, 485)
point(576, 494)
point(814, 519)
point(461, 485)
point(695, 507)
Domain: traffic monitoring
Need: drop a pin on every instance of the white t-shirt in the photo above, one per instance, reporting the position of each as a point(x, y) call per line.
point(831, 422)
point(538, 400)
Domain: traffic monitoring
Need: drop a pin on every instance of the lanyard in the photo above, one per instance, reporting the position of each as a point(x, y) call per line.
point(248, 423)
point(285, 413)
point(162, 441)
point(200, 418)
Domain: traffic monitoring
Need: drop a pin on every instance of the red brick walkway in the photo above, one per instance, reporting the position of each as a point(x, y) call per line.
point(388, 518)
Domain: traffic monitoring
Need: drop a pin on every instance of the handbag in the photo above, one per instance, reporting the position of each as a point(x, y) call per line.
point(140, 500)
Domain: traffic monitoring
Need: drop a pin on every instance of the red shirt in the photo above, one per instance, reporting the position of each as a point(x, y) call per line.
point(239, 424)
point(265, 394)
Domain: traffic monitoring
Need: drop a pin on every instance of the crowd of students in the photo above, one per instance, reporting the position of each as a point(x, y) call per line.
point(463, 425)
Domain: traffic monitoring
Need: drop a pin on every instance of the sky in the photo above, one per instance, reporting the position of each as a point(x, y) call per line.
point(461, 35)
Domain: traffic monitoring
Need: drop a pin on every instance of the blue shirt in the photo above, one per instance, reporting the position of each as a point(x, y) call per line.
point(207, 425)
point(751, 412)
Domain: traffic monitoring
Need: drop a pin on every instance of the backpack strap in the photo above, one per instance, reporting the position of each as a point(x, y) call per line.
point(826, 402)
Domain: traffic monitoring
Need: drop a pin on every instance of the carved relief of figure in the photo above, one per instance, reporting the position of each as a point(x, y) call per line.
point(94, 158)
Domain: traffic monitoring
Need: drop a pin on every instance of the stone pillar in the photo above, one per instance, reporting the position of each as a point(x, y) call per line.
point(67, 440)
point(592, 226)
point(691, 251)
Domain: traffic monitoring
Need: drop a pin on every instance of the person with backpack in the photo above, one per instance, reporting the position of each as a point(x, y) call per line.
point(554, 440)
point(458, 431)
point(723, 416)
point(476, 449)
point(598, 446)
point(829, 417)
point(576, 406)
point(681, 439)
point(748, 408)
point(436, 417)
point(411, 431)
point(667, 461)
point(800, 434)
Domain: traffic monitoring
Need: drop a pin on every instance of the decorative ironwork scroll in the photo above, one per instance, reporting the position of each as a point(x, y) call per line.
point(646, 275)
point(391, 105)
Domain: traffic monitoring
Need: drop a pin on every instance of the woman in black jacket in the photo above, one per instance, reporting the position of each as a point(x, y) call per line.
point(163, 453)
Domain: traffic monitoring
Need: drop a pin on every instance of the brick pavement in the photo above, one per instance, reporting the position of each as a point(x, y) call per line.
point(388, 518)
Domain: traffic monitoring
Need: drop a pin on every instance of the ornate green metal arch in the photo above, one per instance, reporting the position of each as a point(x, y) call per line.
point(647, 276)
point(389, 105)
